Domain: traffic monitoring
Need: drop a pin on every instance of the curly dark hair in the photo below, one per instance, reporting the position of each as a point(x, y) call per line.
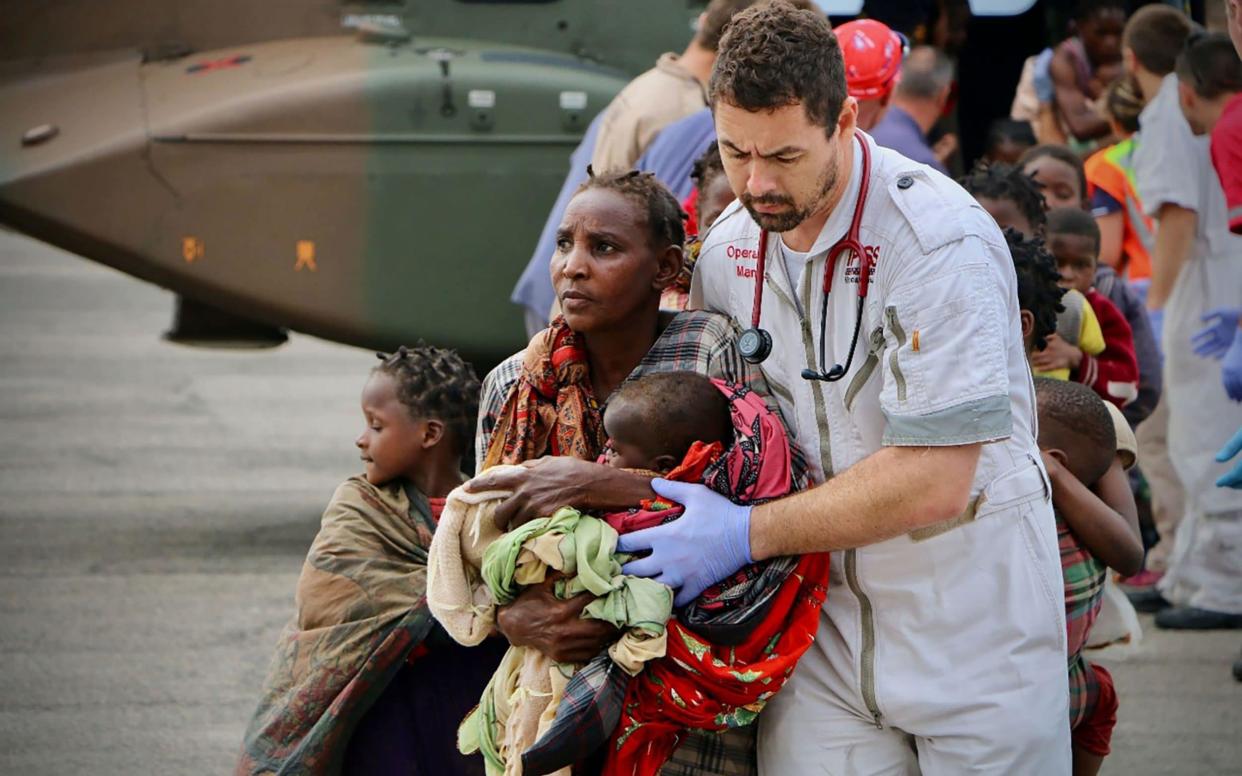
point(436, 383)
point(1038, 289)
point(707, 167)
point(665, 218)
point(1061, 154)
point(1007, 182)
point(774, 55)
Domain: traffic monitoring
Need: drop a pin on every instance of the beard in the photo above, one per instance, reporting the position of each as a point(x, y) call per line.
point(794, 213)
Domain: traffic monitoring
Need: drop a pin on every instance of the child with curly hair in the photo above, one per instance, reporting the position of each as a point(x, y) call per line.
point(363, 680)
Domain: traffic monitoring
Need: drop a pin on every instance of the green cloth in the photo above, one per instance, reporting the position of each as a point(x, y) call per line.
point(589, 563)
point(500, 559)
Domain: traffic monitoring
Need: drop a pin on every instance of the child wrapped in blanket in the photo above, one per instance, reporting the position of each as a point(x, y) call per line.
point(362, 680)
point(540, 717)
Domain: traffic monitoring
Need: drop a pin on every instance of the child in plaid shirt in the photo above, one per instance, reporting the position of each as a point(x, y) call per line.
point(1086, 446)
point(1078, 437)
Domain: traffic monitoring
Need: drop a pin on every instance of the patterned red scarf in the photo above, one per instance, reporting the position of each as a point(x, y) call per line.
point(706, 686)
point(550, 410)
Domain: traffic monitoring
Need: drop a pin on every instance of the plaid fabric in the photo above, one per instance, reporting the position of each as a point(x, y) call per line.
point(586, 716)
point(1084, 590)
point(694, 341)
point(1095, 734)
point(729, 753)
point(1084, 691)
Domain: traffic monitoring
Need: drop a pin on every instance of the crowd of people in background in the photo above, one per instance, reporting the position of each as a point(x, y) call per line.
point(1117, 182)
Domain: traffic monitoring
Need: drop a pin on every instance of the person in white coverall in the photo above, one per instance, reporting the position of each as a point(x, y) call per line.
point(941, 648)
point(1201, 273)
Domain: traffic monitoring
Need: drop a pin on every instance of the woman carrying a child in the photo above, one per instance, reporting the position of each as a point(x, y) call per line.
point(618, 247)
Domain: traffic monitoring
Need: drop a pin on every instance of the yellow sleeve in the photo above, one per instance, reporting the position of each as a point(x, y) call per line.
point(1090, 336)
point(1053, 374)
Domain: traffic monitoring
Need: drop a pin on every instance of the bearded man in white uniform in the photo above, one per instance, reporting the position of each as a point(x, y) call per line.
point(941, 648)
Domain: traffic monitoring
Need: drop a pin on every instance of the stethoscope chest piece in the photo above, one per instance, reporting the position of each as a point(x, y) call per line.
point(755, 345)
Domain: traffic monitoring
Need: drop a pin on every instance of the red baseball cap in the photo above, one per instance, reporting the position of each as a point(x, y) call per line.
point(873, 54)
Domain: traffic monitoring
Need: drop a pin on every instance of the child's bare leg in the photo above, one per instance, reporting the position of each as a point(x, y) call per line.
point(1086, 763)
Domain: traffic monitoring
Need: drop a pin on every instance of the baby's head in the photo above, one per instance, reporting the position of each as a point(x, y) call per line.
point(1075, 428)
point(651, 422)
point(420, 406)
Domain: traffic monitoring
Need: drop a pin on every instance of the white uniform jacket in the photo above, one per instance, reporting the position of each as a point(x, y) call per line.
point(956, 628)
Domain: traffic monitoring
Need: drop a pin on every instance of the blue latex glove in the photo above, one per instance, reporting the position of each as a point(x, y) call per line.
point(710, 541)
point(1234, 478)
point(1231, 370)
point(1156, 319)
point(1044, 88)
point(1215, 338)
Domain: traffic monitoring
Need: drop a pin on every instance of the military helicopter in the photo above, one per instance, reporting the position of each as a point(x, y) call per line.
point(370, 173)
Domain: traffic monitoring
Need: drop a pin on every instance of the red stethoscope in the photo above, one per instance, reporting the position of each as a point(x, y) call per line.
point(755, 344)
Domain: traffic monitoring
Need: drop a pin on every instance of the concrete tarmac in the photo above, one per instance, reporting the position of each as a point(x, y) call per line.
point(156, 502)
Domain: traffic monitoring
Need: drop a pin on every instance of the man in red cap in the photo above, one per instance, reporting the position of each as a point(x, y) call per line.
point(873, 55)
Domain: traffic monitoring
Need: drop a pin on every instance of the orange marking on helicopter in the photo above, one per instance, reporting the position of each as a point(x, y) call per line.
point(306, 256)
point(191, 249)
